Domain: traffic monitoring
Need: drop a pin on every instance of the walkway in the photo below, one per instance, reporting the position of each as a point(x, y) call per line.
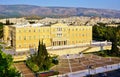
point(26, 72)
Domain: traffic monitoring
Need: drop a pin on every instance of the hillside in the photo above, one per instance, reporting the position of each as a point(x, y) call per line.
point(28, 10)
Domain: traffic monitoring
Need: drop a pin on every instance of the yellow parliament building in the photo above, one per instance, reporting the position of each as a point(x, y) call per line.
point(25, 36)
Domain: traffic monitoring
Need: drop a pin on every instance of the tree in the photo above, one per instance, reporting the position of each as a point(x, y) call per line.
point(41, 58)
point(112, 34)
point(115, 50)
point(1, 30)
point(8, 22)
point(100, 32)
point(118, 35)
point(6, 69)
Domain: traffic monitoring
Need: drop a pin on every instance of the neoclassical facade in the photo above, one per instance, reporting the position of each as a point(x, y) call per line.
point(25, 36)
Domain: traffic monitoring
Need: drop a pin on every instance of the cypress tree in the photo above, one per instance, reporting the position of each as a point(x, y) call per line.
point(46, 58)
point(42, 57)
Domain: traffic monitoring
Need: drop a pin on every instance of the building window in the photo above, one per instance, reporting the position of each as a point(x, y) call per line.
point(25, 45)
point(83, 35)
point(29, 37)
point(64, 42)
point(47, 36)
point(59, 34)
point(76, 29)
point(34, 30)
point(72, 29)
point(43, 30)
point(24, 30)
point(79, 34)
point(53, 43)
point(59, 29)
point(19, 37)
point(43, 36)
point(76, 35)
point(64, 29)
point(76, 41)
point(69, 29)
point(53, 30)
point(29, 30)
point(58, 42)
point(34, 44)
point(34, 37)
point(19, 30)
point(19, 46)
point(24, 37)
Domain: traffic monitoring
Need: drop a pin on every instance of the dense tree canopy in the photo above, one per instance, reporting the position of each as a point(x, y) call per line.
point(101, 32)
point(6, 68)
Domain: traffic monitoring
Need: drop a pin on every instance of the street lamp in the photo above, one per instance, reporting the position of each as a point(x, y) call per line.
point(69, 63)
point(105, 68)
point(118, 65)
point(89, 67)
point(81, 54)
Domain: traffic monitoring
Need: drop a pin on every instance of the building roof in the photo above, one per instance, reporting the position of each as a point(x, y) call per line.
point(28, 25)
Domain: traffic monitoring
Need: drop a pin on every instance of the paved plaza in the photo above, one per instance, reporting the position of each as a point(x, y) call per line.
point(78, 66)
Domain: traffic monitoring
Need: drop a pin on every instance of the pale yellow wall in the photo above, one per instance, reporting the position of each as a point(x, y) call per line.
point(80, 34)
point(28, 37)
point(5, 33)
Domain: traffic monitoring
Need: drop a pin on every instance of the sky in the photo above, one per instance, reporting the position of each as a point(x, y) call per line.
point(102, 4)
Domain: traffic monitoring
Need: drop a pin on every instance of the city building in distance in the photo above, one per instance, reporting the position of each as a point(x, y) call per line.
point(26, 36)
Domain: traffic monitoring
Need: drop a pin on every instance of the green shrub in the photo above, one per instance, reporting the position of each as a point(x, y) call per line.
point(9, 47)
point(32, 66)
point(1, 47)
point(2, 43)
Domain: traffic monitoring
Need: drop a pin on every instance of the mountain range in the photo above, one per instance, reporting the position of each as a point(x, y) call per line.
point(28, 10)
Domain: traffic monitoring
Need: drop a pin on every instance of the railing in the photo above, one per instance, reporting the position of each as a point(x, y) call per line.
point(101, 43)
